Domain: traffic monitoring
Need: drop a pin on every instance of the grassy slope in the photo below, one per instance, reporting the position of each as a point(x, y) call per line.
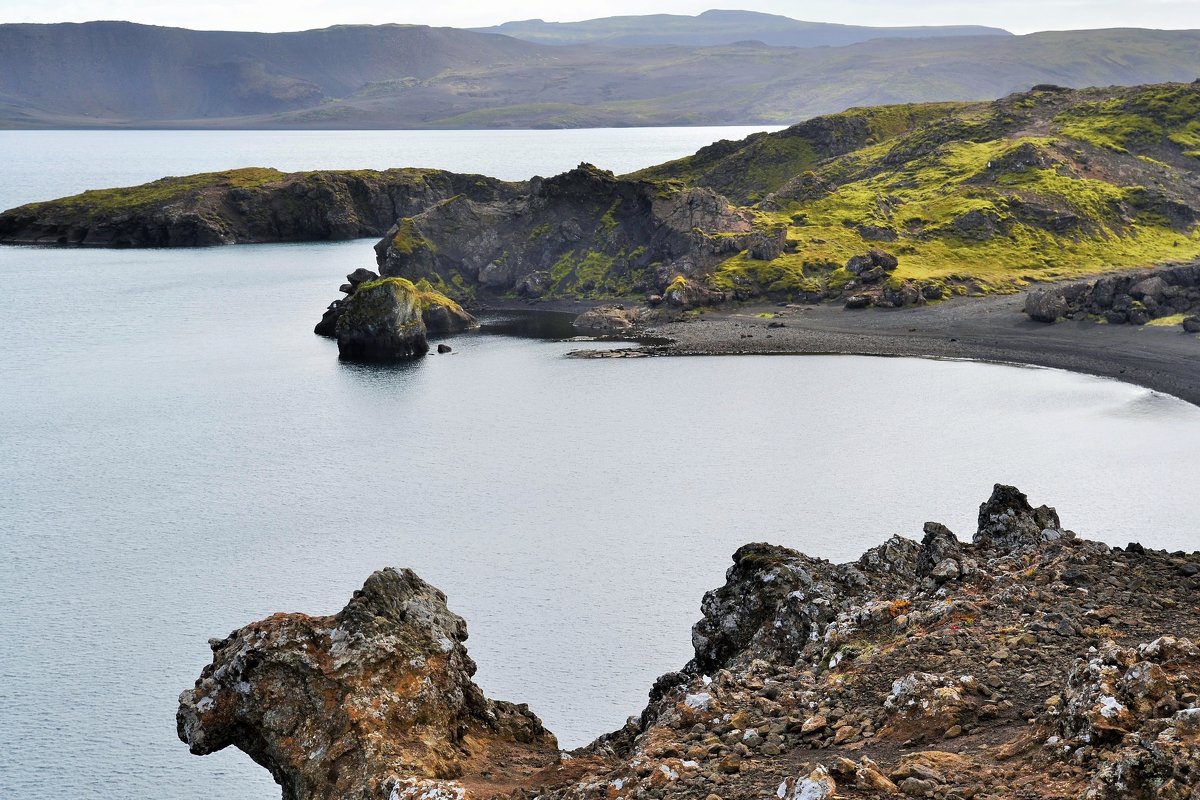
point(978, 198)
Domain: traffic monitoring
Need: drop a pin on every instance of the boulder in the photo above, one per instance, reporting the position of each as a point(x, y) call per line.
point(382, 321)
point(1151, 288)
point(374, 700)
point(1192, 324)
point(1046, 305)
point(359, 276)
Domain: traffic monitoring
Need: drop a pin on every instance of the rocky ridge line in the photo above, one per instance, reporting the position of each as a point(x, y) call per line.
point(1027, 663)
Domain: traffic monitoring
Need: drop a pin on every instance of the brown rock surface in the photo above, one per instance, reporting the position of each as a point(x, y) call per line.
point(375, 698)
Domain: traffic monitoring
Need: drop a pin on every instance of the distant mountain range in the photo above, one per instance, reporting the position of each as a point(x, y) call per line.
point(120, 74)
point(717, 28)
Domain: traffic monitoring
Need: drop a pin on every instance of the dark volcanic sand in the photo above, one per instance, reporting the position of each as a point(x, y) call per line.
point(987, 329)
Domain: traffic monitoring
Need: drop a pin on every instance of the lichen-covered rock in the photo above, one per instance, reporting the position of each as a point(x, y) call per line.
point(382, 304)
point(923, 705)
point(382, 321)
point(373, 701)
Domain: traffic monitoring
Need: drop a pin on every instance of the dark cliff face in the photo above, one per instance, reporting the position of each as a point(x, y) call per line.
point(583, 233)
point(247, 205)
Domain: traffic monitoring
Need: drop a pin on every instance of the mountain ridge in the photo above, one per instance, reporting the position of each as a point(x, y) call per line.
point(122, 75)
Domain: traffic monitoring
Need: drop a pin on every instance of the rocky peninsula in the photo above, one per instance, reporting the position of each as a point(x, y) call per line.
point(240, 206)
point(1024, 663)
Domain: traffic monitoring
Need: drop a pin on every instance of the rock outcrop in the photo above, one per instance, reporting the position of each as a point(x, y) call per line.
point(585, 233)
point(375, 701)
point(241, 206)
point(381, 321)
point(1027, 663)
point(381, 316)
point(1134, 298)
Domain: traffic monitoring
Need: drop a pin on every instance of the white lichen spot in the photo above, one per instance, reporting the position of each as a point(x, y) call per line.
point(700, 701)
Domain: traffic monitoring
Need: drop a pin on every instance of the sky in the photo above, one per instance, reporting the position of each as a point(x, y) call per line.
point(1019, 16)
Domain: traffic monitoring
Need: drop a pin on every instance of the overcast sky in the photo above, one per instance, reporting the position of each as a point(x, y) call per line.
point(1019, 16)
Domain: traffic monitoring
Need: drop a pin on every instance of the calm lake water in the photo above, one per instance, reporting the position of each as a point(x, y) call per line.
point(183, 456)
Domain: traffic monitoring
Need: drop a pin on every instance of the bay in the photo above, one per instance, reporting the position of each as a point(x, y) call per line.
point(183, 456)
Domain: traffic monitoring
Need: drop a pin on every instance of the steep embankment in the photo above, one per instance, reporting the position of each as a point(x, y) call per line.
point(891, 206)
point(1026, 663)
point(244, 205)
point(111, 74)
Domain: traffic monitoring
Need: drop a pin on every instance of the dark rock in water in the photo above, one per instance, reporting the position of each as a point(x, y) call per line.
point(445, 316)
point(1046, 305)
point(382, 321)
point(439, 314)
point(1192, 324)
point(444, 348)
point(328, 324)
point(375, 700)
point(1007, 520)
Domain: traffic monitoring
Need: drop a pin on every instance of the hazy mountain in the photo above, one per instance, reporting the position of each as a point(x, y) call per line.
point(113, 74)
point(717, 28)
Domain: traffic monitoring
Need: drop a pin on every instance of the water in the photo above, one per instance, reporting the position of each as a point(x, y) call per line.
point(183, 456)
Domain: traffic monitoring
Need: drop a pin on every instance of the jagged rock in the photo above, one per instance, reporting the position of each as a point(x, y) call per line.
point(381, 321)
point(817, 785)
point(1046, 305)
point(374, 700)
point(1139, 706)
point(874, 258)
point(593, 232)
point(1149, 289)
point(1007, 520)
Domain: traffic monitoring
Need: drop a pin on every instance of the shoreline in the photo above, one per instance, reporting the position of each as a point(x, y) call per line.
point(988, 329)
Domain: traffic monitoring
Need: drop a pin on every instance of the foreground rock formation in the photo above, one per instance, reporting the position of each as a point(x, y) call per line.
point(375, 701)
point(1025, 663)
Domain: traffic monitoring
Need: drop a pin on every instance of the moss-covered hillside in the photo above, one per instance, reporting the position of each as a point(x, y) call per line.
point(977, 197)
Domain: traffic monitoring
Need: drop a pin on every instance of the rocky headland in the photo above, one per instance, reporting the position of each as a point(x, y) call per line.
point(240, 206)
point(1024, 663)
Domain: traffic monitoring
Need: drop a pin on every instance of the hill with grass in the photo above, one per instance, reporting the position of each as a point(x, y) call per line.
point(895, 204)
point(717, 27)
point(115, 74)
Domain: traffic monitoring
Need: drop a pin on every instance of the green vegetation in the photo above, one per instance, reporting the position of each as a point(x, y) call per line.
point(1148, 120)
point(967, 202)
point(408, 239)
point(160, 192)
point(425, 295)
